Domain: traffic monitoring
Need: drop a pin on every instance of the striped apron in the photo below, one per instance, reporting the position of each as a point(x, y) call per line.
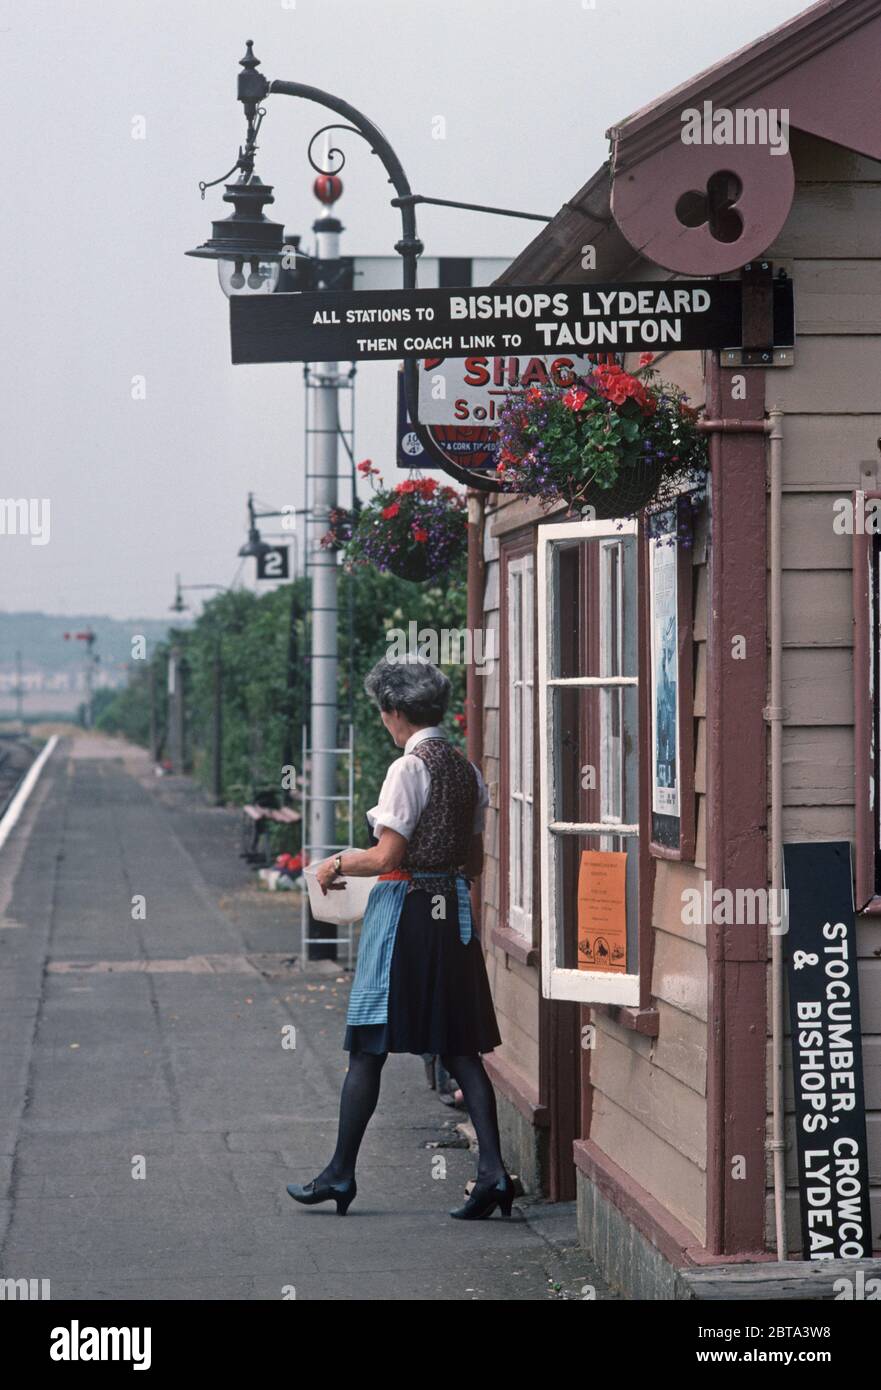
point(368, 1002)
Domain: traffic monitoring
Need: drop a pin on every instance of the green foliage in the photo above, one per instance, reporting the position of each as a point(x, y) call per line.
point(265, 683)
point(583, 441)
point(383, 602)
point(127, 711)
point(263, 691)
point(415, 530)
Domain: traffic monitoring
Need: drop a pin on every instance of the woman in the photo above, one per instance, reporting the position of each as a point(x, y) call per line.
point(420, 984)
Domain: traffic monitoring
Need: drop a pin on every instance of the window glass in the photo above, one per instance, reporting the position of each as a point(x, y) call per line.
point(521, 734)
point(590, 845)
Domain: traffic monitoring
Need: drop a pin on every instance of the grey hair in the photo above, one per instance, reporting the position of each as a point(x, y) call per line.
point(410, 685)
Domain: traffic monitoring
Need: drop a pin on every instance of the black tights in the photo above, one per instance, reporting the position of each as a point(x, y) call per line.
point(361, 1092)
point(480, 1098)
point(357, 1103)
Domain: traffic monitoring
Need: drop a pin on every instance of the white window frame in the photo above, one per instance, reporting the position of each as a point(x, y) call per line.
point(521, 618)
point(583, 986)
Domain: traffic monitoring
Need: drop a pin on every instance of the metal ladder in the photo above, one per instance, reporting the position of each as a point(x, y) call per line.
point(345, 433)
point(349, 798)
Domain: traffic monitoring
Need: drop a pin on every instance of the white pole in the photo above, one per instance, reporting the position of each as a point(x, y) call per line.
point(322, 827)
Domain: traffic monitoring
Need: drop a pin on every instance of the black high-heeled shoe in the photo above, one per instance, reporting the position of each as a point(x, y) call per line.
point(343, 1193)
point(485, 1198)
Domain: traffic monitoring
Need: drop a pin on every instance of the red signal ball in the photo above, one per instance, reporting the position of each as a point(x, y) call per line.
point(327, 188)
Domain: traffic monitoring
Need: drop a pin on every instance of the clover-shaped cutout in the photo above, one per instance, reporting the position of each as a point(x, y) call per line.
point(714, 206)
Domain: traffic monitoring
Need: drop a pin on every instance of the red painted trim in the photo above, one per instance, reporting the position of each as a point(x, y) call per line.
point(767, 59)
point(673, 1240)
point(515, 946)
point(513, 546)
point(517, 1090)
point(736, 820)
point(560, 1089)
point(864, 720)
point(646, 862)
point(669, 1236)
point(646, 1021)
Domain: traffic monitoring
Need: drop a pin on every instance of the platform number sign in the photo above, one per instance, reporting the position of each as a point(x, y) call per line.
point(273, 563)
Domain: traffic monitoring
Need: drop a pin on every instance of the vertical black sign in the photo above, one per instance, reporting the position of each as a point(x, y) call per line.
point(410, 453)
point(827, 1064)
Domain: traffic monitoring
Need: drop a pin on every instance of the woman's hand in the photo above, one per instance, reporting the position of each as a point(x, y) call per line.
point(326, 876)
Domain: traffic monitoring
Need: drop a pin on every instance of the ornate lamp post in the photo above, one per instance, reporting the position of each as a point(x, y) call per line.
point(250, 249)
point(252, 258)
point(179, 606)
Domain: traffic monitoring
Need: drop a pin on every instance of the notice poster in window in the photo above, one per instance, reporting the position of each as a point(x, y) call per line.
point(602, 910)
point(663, 554)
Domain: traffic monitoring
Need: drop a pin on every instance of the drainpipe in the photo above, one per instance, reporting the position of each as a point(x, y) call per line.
point(774, 715)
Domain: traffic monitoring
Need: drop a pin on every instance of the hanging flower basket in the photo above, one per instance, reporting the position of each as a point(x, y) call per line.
point(339, 533)
point(417, 530)
point(613, 442)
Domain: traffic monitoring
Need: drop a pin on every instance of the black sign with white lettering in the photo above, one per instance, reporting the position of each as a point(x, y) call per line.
point(827, 1063)
point(375, 325)
point(410, 453)
point(272, 563)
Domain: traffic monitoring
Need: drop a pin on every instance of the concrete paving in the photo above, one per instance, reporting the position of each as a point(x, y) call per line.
point(151, 1112)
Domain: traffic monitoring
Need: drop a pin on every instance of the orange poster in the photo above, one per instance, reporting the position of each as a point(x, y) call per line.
point(602, 910)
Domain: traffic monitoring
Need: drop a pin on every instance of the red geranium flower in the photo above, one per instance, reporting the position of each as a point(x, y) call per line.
point(533, 395)
point(574, 398)
point(408, 486)
point(419, 534)
point(618, 386)
point(646, 358)
point(366, 466)
point(391, 510)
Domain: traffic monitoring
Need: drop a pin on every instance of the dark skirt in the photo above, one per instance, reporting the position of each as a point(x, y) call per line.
point(439, 996)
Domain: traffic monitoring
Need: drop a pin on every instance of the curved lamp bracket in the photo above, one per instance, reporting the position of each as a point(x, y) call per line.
point(332, 150)
point(409, 247)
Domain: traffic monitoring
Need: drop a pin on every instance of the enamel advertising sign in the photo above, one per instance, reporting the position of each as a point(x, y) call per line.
point(472, 390)
point(469, 446)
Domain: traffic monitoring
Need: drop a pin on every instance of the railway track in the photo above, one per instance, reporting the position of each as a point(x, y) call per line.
point(17, 755)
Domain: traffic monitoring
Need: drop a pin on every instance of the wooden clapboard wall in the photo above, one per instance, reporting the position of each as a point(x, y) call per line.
point(516, 986)
point(832, 403)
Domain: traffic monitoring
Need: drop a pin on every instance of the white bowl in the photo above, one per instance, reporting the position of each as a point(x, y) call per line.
point(341, 906)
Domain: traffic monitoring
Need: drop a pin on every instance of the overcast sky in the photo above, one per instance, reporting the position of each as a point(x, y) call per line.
point(96, 289)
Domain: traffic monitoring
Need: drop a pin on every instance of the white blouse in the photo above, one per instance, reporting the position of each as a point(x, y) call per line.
point(406, 787)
